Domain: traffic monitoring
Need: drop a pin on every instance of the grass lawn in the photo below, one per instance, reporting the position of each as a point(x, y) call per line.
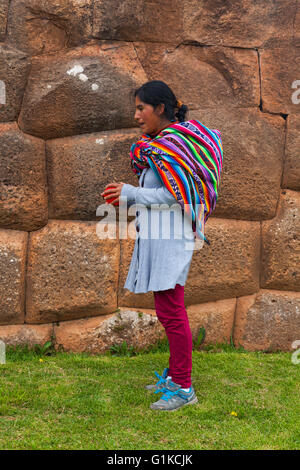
point(80, 401)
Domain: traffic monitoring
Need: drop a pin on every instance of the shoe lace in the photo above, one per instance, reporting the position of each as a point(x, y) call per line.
point(169, 394)
point(161, 380)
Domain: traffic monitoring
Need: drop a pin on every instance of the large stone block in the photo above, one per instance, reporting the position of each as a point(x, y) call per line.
point(88, 162)
point(14, 70)
point(216, 317)
point(83, 90)
point(253, 144)
point(13, 244)
point(229, 267)
point(281, 245)
point(98, 334)
point(29, 335)
point(3, 18)
point(291, 174)
point(279, 80)
point(72, 273)
point(203, 76)
point(296, 29)
point(23, 181)
point(43, 26)
point(268, 320)
point(136, 20)
point(240, 24)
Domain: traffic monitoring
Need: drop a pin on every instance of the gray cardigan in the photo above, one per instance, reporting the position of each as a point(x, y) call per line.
point(158, 262)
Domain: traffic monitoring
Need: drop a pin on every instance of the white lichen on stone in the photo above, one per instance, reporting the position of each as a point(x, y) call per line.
point(130, 321)
point(95, 86)
point(75, 70)
point(2, 92)
point(83, 77)
point(99, 141)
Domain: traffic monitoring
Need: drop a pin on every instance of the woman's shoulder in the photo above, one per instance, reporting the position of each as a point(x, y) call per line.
point(151, 179)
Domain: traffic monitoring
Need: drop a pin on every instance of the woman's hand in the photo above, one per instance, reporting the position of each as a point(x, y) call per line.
point(113, 191)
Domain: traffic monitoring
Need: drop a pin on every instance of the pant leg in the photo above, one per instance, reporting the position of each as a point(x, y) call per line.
point(171, 312)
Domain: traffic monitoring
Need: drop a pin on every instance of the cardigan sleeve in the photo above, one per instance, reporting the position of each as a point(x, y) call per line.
point(147, 196)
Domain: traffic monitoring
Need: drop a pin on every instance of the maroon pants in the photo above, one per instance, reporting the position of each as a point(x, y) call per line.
point(171, 313)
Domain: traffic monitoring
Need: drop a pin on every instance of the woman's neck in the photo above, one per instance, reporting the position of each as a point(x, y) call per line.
point(162, 128)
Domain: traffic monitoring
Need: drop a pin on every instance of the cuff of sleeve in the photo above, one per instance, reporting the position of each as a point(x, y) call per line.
point(129, 192)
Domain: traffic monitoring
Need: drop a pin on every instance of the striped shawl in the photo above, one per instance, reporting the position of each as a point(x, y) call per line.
point(187, 157)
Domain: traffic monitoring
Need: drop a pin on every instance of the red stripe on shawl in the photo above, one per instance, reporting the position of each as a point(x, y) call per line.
point(206, 197)
point(180, 185)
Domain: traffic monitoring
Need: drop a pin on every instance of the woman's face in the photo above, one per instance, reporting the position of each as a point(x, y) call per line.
point(150, 120)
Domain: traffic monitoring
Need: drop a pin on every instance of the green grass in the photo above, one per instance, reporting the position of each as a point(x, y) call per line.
point(80, 401)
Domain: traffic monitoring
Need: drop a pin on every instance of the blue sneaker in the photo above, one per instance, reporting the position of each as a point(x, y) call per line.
point(174, 397)
point(160, 384)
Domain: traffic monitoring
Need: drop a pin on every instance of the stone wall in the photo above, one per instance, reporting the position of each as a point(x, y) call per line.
point(68, 69)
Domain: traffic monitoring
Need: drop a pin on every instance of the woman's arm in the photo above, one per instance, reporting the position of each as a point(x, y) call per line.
point(147, 196)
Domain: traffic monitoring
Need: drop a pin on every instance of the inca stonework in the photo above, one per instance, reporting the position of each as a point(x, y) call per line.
point(68, 69)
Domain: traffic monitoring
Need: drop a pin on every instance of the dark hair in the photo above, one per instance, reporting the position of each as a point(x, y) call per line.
point(156, 92)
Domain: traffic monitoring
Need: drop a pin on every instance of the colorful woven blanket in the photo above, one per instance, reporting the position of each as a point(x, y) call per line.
point(187, 157)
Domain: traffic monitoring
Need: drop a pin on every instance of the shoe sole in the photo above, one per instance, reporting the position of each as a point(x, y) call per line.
point(192, 402)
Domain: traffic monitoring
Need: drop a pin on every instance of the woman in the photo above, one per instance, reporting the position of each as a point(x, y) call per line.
point(178, 163)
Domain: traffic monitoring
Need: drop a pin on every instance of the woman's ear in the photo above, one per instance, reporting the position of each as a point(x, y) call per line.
point(161, 108)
